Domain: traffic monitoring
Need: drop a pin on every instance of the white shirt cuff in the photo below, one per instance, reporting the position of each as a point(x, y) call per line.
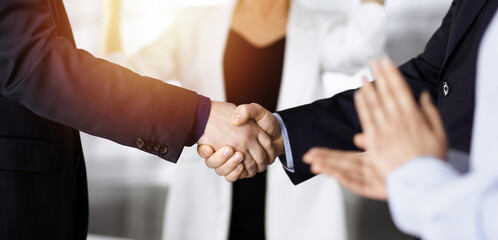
point(289, 162)
point(409, 185)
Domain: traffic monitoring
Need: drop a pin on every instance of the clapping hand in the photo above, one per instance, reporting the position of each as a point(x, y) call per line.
point(351, 169)
point(395, 130)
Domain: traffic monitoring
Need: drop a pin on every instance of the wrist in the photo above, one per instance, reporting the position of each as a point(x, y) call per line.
point(279, 145)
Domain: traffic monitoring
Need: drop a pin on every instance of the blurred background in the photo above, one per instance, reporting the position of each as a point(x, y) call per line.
point(128, 189)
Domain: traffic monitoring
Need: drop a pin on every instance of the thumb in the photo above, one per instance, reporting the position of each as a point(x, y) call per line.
point(245, 112)
point(359, 140)
point(205, 151)
point(265, 120)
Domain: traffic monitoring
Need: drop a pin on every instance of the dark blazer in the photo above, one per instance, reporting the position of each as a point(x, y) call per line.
point(446, 69)
point(49, 88)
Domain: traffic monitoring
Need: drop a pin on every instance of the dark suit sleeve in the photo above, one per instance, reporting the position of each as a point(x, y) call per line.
point(44, 72)
point(333, 122)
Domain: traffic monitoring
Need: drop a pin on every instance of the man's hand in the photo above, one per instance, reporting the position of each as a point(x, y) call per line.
point(265, 120)
point(395, 128)
point(252, 142)
point(350, 168)
point(224, 161)
point(246, 115)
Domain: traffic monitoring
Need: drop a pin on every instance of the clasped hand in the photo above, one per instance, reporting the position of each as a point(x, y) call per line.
point(250, 130)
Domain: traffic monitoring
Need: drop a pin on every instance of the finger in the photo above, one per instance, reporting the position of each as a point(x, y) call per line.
point(249, 165)
point(259, 114)
point(357, 181)
point(431, 113)
point(361, 188)
point(316, 157)
point(383, 88)
point(230, 165)
point(260, 157)
point(349, 165)
point(248, 111)
point(373, 185)
point(219, 157)
point(359, 140)
point(364, 182)
point(312, 155)
point(372, 103)
point(329, 161)
point(205, 151)
point(244, 173)
point(402, 93)
point(235, 174)
point(350, 183)
point(265, 141)
point(369, 170)
point(364, 113)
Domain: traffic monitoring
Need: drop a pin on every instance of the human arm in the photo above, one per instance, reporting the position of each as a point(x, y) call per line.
point(160, 59)
point(48, 75)
point(400, 139)
point(443, 203)
point(446, 202)
point(427, 196)
point(395, 130)
point(43, 71)
point(333, 122)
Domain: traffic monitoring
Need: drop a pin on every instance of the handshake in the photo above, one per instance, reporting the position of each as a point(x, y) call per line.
point(240, 141)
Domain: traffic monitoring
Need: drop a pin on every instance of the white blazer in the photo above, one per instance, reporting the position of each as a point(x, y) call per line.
point(333, 35)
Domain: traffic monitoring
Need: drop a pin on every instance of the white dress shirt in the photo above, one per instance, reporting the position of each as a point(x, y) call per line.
point(431, 198)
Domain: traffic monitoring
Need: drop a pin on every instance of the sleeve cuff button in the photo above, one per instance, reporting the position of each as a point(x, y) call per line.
point(140, 143)
point(164, 150)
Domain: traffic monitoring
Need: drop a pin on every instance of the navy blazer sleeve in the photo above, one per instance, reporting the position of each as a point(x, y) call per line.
point(41, 69)
point(333, 122)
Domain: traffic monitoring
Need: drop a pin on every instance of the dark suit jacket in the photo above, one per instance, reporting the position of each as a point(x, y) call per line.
point(48, 90)
point(449, 57)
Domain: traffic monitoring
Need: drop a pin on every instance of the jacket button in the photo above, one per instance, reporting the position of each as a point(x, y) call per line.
point(156, 147)
point(140, 143)
point(164, 150)
point(446, 89)
point(148, 147)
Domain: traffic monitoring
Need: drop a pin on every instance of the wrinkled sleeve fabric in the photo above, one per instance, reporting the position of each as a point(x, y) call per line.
point(430, 199)
point(348, 47)
point(333, 122)
point(47, 74)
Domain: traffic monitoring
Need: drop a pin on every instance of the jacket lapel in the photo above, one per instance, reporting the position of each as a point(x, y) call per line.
point(467, 14)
